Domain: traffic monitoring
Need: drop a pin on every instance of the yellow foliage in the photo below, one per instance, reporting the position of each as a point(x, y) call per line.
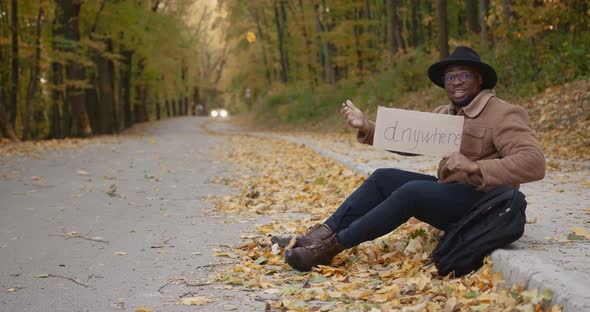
point(383, 274)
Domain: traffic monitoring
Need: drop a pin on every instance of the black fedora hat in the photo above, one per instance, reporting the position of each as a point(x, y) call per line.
point(463, 55)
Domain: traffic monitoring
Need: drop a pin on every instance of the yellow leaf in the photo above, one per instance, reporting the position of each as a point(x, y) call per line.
point(198, 300)
point(250, 36)
point(451, 304)
point(120, 253)
point(143, 309)
point(580, 232)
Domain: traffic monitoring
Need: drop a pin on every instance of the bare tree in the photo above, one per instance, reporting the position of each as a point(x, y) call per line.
point(34, 74)
point(483, 12)
point(13, 105)
point(443, 33)
point(281, 24)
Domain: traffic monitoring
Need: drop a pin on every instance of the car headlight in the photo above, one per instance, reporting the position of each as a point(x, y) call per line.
point(214, 113)
point(223, 113)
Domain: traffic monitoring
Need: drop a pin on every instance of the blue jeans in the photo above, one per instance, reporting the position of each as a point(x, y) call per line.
point(389, 197)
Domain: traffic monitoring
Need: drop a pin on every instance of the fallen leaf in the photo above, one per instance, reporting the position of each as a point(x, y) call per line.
point(547, 294)
point(230, 307)
point(198, 300)
point(580, 232)
point(11, 290)
point(374, 276)
point(120, 253)
point(143, 309)
point(82, 172)
point(471, 295)
point(451, 305)
point(43, 275)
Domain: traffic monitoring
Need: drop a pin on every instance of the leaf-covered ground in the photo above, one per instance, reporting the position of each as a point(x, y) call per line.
point(561, 118)
point(296, 188)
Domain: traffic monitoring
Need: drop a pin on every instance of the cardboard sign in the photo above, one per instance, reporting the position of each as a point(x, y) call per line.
point(415, 132)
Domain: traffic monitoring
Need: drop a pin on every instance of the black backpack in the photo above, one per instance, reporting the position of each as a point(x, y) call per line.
point(495, 221)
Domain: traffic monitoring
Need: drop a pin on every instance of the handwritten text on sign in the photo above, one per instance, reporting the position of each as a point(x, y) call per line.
point(415, 132)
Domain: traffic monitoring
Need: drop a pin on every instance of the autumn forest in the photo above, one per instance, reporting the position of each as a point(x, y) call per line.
point(77, 68)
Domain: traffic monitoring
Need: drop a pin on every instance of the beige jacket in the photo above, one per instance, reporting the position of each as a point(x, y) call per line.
point(498, 137)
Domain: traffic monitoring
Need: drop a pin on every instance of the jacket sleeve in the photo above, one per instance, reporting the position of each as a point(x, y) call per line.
point(367, 137)
point(522, 160)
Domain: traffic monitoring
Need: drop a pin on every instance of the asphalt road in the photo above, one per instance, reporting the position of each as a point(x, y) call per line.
point(117, 224)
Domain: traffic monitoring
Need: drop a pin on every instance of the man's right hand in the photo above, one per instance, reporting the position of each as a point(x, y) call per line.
point(354, 117)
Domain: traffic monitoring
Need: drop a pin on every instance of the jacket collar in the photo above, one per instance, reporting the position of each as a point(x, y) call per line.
point(477, 104)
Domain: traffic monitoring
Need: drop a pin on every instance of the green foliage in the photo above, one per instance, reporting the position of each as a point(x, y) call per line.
point(526, 67)
point(531, 45)
point(296, 104)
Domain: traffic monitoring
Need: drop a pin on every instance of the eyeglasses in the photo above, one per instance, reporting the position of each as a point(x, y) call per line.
point(463, 76)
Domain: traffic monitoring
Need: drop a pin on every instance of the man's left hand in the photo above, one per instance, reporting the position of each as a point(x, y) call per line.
point(459, 162)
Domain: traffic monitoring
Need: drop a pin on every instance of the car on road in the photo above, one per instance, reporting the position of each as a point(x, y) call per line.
point(219, 113)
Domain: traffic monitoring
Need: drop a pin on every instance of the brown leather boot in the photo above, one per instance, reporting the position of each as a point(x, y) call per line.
point(319, 253)
point(314, 234)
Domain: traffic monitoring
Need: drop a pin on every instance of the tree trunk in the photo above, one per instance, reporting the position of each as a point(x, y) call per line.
point(174, 107)
point(416, 23)
point(307, 40)
point(4, 59)
point(483, 12)
point(167, 106)
point(106, 91)
point(443, 34)
point(508, 12)
point(261, 42)
point(57, 92)
point(75, 73)
point(140, 107)
point(125, 87)
point(397, 27)
point(13, 105)
point(197, 101)
point(181, 106)
point(328, 69)
point(281, 20)
point(34, 74)
point(6, 128)
point(158, 107)
point(357, 32)
point(91, 102)
point(429, 29)
point(392, 22)
point(472, 16)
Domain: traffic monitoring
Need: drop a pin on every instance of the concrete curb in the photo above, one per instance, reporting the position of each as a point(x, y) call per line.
point(518, 265)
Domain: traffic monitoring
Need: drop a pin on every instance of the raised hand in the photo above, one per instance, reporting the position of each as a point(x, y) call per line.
point(354, 117)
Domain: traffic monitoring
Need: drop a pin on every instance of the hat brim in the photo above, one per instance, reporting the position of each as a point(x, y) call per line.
point(436, 72)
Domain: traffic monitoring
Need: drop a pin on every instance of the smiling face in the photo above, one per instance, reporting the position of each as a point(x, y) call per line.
point(462, 82)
